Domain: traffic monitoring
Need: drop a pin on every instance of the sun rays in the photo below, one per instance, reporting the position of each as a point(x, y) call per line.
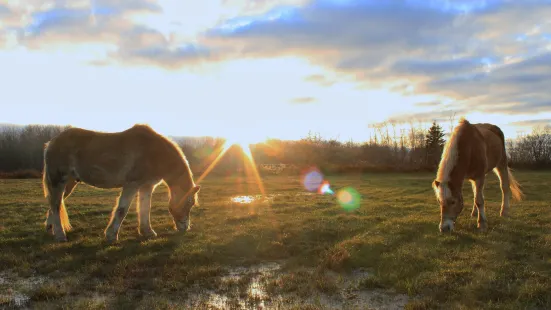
point(250, 164)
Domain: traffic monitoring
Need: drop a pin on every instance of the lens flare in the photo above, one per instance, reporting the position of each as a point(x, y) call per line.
point(325, 188)
point(348, 198)
point(313, 181)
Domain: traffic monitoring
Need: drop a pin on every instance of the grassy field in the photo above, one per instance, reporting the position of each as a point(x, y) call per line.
point(294, 251)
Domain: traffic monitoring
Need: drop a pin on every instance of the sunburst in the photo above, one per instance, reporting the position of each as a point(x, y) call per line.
point(245, 146)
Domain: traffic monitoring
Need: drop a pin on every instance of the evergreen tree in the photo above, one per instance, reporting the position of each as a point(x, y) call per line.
point(434, 144)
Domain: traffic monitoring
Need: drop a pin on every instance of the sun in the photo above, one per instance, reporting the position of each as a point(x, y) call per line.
point(245, 145)
point(243, 142)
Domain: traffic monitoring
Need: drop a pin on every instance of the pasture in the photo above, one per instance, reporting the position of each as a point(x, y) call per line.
point(293, 250)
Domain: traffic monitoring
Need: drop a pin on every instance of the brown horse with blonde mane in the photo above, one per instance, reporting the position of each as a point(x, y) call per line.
point(471, 152)
point(136, 160)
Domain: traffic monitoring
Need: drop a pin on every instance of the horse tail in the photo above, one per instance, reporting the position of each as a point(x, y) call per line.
point(64, 217)
point(45, 176)
point(514, 186)
point(48, 188)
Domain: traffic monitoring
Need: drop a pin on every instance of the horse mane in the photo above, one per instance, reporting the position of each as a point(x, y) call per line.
point(174, 148)
point(451, 152)
point(450, 157)
point(178, 149)
point(187, 169)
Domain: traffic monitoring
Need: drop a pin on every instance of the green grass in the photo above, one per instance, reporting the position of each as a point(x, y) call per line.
point(393, 235)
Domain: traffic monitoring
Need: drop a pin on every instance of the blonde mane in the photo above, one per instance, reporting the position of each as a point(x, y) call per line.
point(450, 154)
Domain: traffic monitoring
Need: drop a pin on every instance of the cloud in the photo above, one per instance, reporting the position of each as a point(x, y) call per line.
point(319, 79)
point(94, 21)
point(109, 22)
point(520, 87)
point(533, 123)
point(490, 56)
point(303, 100)
point(438, 116)
point(71, 25)
point(4, 10)
point(426, 67)
point(9, 19)
point(428, 104)
point(143, 45)
point(129, 6)
point(361, 33)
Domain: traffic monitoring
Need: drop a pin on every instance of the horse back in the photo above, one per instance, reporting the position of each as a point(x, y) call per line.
point(494, 140)
point(105, 160)
point(494, 129)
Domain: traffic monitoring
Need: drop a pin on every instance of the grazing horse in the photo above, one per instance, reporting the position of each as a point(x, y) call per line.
point(136, 160)
point(470, 153)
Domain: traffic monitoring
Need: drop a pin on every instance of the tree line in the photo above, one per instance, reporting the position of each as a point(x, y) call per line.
point(387, 149)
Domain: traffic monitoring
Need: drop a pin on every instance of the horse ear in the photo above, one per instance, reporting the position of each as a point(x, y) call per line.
point(196, 188)
point(436, 184)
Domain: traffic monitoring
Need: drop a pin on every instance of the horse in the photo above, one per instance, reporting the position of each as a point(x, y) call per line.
point(471, 152)
point(137, 160)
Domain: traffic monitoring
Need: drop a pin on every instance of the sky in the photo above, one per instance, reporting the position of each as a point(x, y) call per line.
point(274, 68)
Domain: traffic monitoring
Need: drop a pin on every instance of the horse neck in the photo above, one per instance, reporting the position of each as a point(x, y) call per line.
point(461, 167)
point(180, 178)
point(458, 174)
point(457, 153)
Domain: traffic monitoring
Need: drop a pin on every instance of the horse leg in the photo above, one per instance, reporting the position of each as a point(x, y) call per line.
point(49, 222)
point(119, 213)
point(474, 213)
point(479, 202)
point(144, 211)
point(49, 219)
point(57, 220)
point(503, 174)
point(71, 184)
point(54, 221)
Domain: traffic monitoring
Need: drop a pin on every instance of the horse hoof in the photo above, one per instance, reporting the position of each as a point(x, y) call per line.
point(504, 214)
point(149, 234)
point(474, 214)
point(483, 227)
point(50, 229)
point(61, 239)
point(111, 239)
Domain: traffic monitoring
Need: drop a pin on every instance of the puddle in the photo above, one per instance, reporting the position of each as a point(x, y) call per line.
point(247, 288)
point(263, 286)
point(13, 288)
point(241, 288)
point(252, 199)
point(243, 199)
point(19, 300)
point(255, 287)
point(265, 199)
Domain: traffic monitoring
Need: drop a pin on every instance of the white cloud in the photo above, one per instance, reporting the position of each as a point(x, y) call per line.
point(461, 51)
point(361, 60)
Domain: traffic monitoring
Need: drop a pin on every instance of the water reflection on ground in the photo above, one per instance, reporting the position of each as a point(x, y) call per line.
point(248, 288)
point(264, 199)
point(243, 199)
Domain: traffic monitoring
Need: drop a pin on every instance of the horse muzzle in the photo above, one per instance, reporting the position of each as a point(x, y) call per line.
point(446, 226)
point(184, 225)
